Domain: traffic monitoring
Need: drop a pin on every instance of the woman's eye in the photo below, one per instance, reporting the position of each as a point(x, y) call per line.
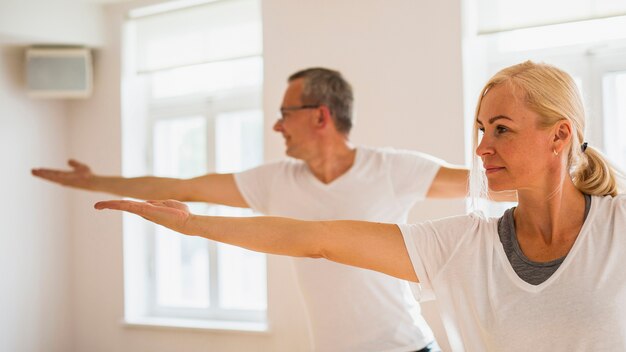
point(501, 129)
point(481, 130)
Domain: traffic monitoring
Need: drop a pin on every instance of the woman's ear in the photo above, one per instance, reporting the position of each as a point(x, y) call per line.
point(562, 135)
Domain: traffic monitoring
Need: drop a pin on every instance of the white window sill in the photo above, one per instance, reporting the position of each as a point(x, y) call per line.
point(203, 325)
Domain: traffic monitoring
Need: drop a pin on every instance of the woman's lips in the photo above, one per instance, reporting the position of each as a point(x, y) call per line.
point(489, 169)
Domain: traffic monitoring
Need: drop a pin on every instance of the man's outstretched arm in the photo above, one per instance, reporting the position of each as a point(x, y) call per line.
point(452, 182)
point(211, 188)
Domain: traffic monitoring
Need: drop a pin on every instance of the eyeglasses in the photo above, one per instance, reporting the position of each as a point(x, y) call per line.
point(281, 114)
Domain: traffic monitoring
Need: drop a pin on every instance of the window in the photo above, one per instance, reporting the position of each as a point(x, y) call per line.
point(587, 38)
point(614, 104)
point(498, 16)
point(193, 106)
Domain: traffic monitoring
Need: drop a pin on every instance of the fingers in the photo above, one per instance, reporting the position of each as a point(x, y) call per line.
point(113, 204)
point(47, 173)
point(140, 208)
point(53, 173)
point(78, 166)
point(38, 172)
point(154, 211)
point(61, 177)
point(137, 207)
point(80, 175)
point(168, 213)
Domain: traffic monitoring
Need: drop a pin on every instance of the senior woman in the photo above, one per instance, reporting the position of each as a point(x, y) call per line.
point(547, 276)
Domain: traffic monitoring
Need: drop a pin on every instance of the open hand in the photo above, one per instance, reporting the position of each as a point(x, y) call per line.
point(80, 176)
point(169, 213)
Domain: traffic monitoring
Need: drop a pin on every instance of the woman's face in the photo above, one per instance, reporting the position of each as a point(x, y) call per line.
point(516, 154)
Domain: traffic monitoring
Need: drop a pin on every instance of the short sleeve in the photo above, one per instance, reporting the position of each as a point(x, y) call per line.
point(412, 172)
point(432, 244)
point(256, 184)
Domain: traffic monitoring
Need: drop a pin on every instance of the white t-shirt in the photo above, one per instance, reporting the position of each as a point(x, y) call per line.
point(350, 309)
point(485, 306)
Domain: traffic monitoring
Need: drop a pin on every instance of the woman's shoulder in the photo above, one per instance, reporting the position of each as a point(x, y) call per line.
point(472, 223)
point(617, 202)
point(609, 206)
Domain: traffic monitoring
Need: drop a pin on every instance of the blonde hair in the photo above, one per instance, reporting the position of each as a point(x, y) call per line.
point(554, 96)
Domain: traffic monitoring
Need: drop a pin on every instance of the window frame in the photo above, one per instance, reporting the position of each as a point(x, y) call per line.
point(140, 111)
point(209, 107)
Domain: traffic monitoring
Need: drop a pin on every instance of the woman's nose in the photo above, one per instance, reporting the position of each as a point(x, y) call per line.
point(484, 147)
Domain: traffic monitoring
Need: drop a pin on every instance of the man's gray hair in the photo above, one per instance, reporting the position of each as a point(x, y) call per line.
point(328, 87)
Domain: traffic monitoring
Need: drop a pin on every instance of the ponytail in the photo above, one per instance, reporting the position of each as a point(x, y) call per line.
point(593, 174)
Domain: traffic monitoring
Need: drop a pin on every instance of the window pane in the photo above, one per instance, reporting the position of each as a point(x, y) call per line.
point(495, 15)
point(239, 137)
point(180, 147)
point(208, 78)
point(241, 273)
point(614, 85)
point(182, 270)
point(216, 31)
point(242, 278)
point(504, 14)
point(181, 263)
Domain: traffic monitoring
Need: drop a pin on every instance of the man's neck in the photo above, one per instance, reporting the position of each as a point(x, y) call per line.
point(332, 160)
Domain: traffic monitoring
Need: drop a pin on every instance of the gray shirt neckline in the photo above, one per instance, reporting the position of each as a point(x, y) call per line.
point(530, 271)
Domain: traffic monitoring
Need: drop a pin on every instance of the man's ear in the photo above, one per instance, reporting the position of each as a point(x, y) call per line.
point(324, 117)
point(562, 135)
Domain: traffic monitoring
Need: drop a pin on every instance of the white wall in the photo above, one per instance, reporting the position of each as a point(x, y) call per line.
point(404, 60)
point(51, 22)
point(35, 242)
point(36, 283)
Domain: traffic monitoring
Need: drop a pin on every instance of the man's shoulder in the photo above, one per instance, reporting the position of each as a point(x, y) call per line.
point(390, 154)
point(280, 166)
point(378, 150)
point(390, 151)
point(285, 166)
point(381, 152)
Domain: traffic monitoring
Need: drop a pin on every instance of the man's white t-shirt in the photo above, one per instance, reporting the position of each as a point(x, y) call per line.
point(350, 309)
point(485, 306)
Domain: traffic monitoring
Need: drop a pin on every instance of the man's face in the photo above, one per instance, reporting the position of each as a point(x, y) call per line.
point(297, 122)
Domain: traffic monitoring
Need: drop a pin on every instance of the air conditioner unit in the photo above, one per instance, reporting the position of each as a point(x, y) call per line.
point(59, 72)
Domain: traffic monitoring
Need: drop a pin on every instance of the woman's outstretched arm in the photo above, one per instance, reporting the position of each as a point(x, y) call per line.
point(368, 245)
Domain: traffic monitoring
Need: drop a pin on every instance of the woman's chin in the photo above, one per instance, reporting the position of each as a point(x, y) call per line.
point(496, 187)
